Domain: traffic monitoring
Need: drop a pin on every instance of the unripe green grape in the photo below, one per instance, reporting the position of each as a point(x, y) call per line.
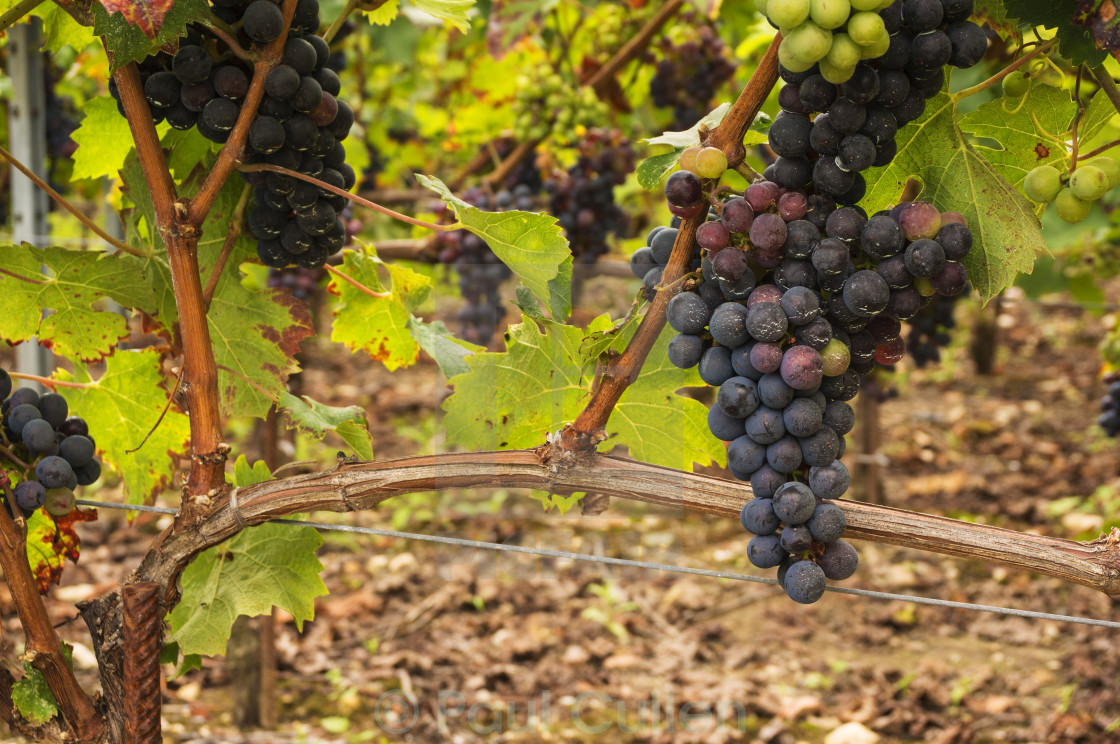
point(844, 53)
point(687, 159)
point(866, 28)
point(877, 49)
point(761, 6)
point(860, 5)
point(59, 502)
point(836, 357)
point(834, 74)
point(1042, 184)
point(1110, 167)
point(787, 13)
point(883, 5)
point(829, 14)
point(790, 61)
point(711, 162)
point(810, 42)
point(924, 286)
point(1016, 84)
point(1070, 208)
point(1088, 183)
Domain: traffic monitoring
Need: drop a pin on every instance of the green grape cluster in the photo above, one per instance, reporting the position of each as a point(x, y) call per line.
point(1073, 193)
point(834, 34)
point(546, 102)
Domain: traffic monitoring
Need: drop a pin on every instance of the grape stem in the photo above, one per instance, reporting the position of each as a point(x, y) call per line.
point(583, 434)
point(960, 95)
point(239, 51)
point(11, 456)
point(1102, 149)
point(355, 283)
point(17, 512)
point(1108, 85)
point(62, 202)
point(232, 235)
point(50, 381)
point(352, 197)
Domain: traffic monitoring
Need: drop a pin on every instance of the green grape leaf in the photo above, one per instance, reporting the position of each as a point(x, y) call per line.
point(127, 42)
point(32, 697)
point(1098, 114)
point(266, 565)
point(245, 475)
point(560, 291)
point(103, 138)
point(532, 245)
point(255, 334)
point(60, 30)
point(451, 11)
point(51, 541)
point(1075, 43)
point(122, 407)
point(654, 168)
point(614, 337)
point(954, 176)
point(514, 398)
point(348, 423)
point(377, 325)
point(1022, 145)
point(449, 352)
point(384, 14)
point(74, 283)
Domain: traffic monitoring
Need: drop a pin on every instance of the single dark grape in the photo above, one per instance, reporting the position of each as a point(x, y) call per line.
point(191, 64)
point(220, 114)
point(283, 82)
point(728, 325)
point(757, 515)
point(687, 313)
point(823, 139)
point(921, 16)
point(789, 135)
point(30, 495)
point(829, 178)
point(925, 258)
point(955, 240)
point(263, 21)
point(683, 189)
point(768, 231)
point(54, 472)
point(37, 435)
point(930, 50)
point(724, 427)
point(715, 366)
point(230, 81)
point(765, 425)
point(804, 582)
point(816, 93)
point(792, 173)
point(685, 350)
point(765, 551)
point(162, 90)
point(300, 55)
point(862, 86)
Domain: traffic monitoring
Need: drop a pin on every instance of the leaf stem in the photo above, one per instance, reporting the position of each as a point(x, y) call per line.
point(234, 233)
point(336, 25)
point(162, 414)
point(1108, 85)
point(18, 11)
point(1041, 49)
point(351, 280)
point(1102, 149)
point(352, 197)
point(62, 202)
point(51, 382)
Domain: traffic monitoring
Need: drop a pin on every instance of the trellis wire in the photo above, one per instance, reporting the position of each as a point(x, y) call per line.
point(544, 552)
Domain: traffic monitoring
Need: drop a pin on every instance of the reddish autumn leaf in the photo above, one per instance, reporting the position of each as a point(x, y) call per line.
point(147, 15)
point(52, 540)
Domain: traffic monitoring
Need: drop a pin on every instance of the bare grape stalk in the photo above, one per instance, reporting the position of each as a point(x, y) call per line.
point(570, 465)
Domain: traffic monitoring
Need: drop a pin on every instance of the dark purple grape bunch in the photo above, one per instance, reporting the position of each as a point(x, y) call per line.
point(827, 134)
point(56, 447)
point(300, 124)
point(794, 303)
point(481, 273)
point(931, 331)
point(690, 73)
point(1110, 405)
point(582, 198)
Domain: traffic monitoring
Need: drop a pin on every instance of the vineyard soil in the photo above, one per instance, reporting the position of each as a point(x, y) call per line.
point(397, 618)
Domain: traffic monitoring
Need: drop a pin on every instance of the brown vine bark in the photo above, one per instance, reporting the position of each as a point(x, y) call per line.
point(44, 650)
point(586, 431)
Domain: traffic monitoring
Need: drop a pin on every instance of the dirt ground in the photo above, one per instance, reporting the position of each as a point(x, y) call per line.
point(419, 642)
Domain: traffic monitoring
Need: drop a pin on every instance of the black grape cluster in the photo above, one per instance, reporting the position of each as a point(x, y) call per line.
point(300, 124)
point(1110, 405)
point(796, 300)
point(481, 273)
point(690, 73)
point(859, 117)
point(930, 331)
point(583, 199)
point(57, 448)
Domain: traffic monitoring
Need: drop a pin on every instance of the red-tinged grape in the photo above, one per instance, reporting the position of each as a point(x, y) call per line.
point(802, 367)
point(762, 196)
point(766, 357)
point(919, 220)
point(683, 189)
point(687, 213)
point(737, 215)
point(713, 236)
point(792, 205)
point(765, 293)
point(892, 352)
point(730, 265)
